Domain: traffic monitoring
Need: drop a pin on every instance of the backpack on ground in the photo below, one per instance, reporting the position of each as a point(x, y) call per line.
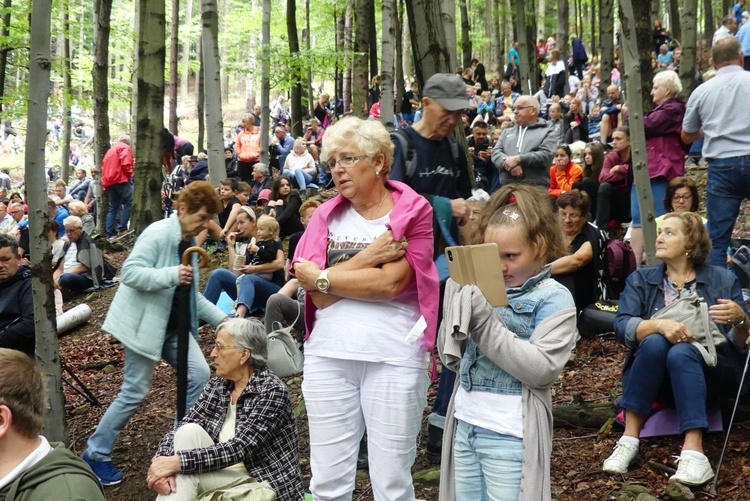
point(619, 263)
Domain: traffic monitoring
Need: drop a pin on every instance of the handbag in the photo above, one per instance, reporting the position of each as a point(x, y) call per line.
point(692, 311)
point(284, 356)
point(597, 318)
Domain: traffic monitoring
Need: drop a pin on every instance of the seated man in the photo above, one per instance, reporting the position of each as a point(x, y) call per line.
point(83, 264)
point(16, 303)
point(31, 467)
point(78, 191)
point(58, 213)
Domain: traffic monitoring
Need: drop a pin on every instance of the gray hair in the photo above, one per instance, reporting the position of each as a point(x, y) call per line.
point(262, 168)
point(532, 101)
point(728, 20)
point(370, 137)
point(670, 81)
point(124, 139)
point(73, 221)
point(248, 334)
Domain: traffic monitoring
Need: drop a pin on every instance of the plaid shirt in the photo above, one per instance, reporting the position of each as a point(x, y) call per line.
point(265, 434)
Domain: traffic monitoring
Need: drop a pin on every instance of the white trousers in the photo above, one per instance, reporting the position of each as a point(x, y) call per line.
point(345, 397)
point(189, 486)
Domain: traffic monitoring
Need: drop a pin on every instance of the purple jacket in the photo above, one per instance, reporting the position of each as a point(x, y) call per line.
point(665, 151)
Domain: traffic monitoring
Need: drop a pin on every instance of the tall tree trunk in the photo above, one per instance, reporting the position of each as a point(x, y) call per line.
point(67, 96)
point(386, 71)
point(674, 18)
point(201, 104)
point(398, 13)
point(526, 29)
point(448, 15)
point(46, 349)
point(541, 15)
point(407, 60)
point(689, 46)
point(185, 60)
point(431, 53)
point(296, 99)
point(4, 31)
point(226, 11)
point(502, 13)
point(348, 48)
point(563, 17)
point(592, 20)
point(150, 118)
point(173, 64)
point(212, 82)
point(265, 84)
point(466, 55)
point(607, 43)
point(309, 79)
point(493, 36)
point(636, 32)
point(339, 87)
point(360, 80)
point(100, 81)
point(372, 38)
point(708, 22)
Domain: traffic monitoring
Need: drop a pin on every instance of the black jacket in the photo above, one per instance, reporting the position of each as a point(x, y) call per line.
point(17, 313)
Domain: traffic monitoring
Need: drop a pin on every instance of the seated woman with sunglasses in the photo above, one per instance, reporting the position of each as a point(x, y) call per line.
point(581, 271)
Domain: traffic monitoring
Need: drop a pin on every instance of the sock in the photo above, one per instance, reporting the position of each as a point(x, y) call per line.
point(695, 454)
point(629, 440)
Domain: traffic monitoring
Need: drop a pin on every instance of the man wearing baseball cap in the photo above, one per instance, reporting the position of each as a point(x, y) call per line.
point(429, 159)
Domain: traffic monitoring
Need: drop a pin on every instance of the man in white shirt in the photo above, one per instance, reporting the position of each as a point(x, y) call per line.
point(727, 29)
point(8, 224)
point(70, 273)
point(31, 467)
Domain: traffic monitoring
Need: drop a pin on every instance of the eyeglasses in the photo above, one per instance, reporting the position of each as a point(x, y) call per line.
point(682, 198)
point(344, 162)
point(222, 347)
point(565, 215)
point(519, 108)
point(71, 231)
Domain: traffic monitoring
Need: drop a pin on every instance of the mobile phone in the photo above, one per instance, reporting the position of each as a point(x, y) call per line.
point(478, 265)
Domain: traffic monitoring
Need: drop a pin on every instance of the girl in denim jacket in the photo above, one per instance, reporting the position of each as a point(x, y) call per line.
point(498, 437)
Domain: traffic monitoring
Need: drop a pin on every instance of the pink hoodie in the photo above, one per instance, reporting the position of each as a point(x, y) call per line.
point(411, 217)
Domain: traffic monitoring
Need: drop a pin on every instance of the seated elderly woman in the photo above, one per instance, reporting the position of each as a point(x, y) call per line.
point(581, 271)
point(83, 264)
point(662, 364)
point(241, 426)
point(368, 347)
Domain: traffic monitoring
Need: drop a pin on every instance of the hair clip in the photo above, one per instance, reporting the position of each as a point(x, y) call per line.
point(511, 214)
point(512, 199)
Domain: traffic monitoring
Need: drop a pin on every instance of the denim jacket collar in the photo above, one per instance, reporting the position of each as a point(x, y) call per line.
point(532, 282)
point(654, 275)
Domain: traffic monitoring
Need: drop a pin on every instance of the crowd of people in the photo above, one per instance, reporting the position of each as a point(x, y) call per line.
point(546, 178)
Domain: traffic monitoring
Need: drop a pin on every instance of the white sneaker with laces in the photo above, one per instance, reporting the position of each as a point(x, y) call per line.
point(621, 457)
point(692, 470)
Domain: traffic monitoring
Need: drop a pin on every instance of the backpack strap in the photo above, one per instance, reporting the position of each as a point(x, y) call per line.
point(408, 153)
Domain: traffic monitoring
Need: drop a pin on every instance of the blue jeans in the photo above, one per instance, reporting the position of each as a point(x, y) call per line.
point(658, 190)
point(74, 282)
point(658, 362)
point(220, 280)
point(136, 383)
point(487, 464)
point(120, 195)
point(302, 178)
point(254, 291)
point(728, 184)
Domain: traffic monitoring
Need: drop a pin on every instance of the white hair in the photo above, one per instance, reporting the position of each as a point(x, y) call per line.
point(670, 81)
point(73, 221)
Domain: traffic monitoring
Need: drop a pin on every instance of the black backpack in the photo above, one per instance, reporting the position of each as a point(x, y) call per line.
point(409, 153)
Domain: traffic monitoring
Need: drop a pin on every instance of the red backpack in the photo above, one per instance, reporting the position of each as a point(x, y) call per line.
point(619, 263)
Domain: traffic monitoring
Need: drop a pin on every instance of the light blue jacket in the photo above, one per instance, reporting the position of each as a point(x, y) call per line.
point(139, 313)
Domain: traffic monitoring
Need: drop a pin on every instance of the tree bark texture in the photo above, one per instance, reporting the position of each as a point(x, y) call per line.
point(637, 59)
point(708, 22)
point(309, 75)
point(466, 55)
point(526, 29)
point(563, 45)
point(339, 87)
point(372, 38)
point(185, 62)
point(296, 94)
point(67, 96)
point(429, 48)
point(386, 73)
point(448, 15)
point(265, 84)
point(592, 20)
point(346, 79)
point(173, 64)
point(201, 104)
point(607, 43)
point(398, 13)
point(150, 114)
point(4, 49)
point(689, 46)
point(360, 80)
point(493, 62)
point(100, 80)
point(47, 354)
point(674, 19)
point(212, 81)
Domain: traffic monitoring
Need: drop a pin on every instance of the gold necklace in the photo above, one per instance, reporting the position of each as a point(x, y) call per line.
point(685, 281)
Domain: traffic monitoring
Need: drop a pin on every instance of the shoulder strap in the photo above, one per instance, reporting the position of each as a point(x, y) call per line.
point(408, 153)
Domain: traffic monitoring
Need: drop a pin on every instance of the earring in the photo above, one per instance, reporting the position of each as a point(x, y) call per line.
point(377, 173)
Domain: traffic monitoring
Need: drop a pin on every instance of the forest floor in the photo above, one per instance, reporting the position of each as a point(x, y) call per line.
point(577, 454)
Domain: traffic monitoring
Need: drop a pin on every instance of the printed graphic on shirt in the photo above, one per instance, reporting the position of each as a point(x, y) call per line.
point(342, 248)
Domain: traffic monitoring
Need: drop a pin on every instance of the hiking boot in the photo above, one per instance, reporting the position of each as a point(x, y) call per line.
point(434, 446)
point(621, 457)
point(692, 470)
point(106, 471)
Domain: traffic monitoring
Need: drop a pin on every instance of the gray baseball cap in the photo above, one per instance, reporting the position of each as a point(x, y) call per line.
point(447, 89)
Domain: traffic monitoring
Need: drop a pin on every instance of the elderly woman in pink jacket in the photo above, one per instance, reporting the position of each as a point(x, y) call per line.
point(371, 313)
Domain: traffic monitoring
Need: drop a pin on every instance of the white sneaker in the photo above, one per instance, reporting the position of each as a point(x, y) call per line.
point(692, 470)
point(621, 457)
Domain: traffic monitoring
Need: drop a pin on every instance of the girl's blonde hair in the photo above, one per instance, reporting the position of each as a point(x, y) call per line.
point(529, 207)
point(270, 224)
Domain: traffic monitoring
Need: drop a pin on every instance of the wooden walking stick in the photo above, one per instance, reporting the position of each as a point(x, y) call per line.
point(183, 331)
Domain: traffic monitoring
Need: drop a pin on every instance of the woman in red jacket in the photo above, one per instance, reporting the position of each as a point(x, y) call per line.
point(564, 172)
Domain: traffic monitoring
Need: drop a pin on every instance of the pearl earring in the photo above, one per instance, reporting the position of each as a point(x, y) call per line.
point(377, 173)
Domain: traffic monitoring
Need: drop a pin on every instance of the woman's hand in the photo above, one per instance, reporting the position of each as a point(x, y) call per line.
point(231, 238)
point(279, 203)
point(384, 249)
point(307, 273)
point(675, 332)
point(161, 468)
point(247, 269)
point(726, 312)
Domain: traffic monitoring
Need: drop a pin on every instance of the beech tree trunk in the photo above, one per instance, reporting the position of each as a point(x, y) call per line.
point(150, 114)
point(346, 79)
point(708, 22)
point(265, 84)
point(492, 64)
point(308, 80)
point(372, 38)
point(185, 62)
point(67, 96)
point(100, 80)
point(212, 81)
point(689, 46)
point(448, 16)
point(386, 73)
point(201, 105)
point(429, 47)
point(466, 55)
point(674, 19)
point(296, 94)
point(4, 49)
point(173, 64)
point(398, 13)
point(563, 15)
point(47, 354)
point(526, 29)
point(339, 74)
point(360, 80)
point(607, 43)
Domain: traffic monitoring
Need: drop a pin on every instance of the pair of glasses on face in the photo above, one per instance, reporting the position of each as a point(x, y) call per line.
point(565, 215)
point(682, 198)
point(344, 162)
point(222, 347)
